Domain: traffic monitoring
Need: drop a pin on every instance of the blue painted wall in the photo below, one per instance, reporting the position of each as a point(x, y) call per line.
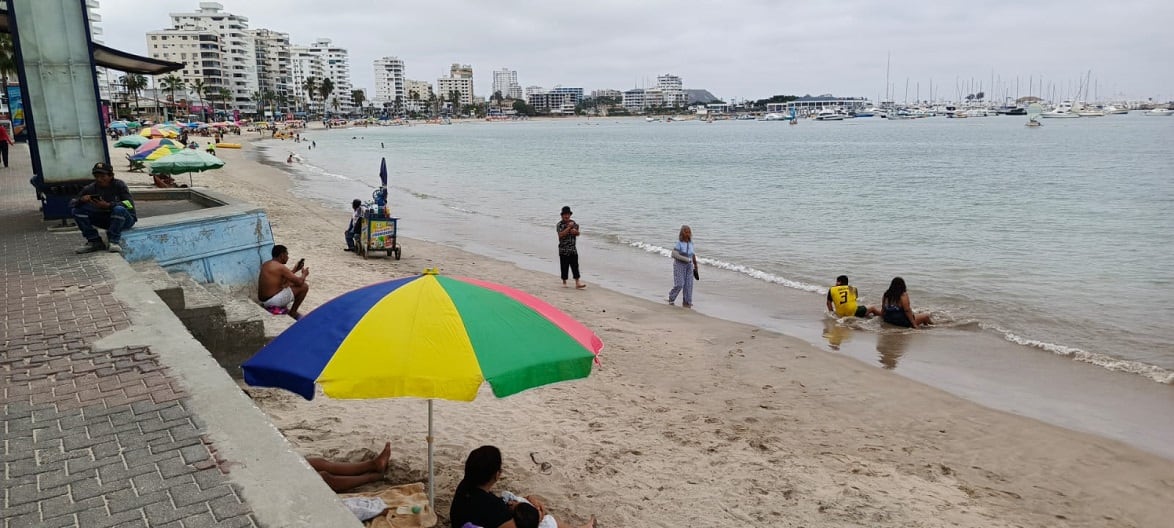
point(224, 245)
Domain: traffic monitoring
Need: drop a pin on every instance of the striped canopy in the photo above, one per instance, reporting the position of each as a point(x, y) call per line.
point(426, 336)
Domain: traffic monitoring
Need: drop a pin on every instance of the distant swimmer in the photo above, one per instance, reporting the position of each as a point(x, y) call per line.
point(380, 144)
point(842, 299)
point(897, 310)
point(290, 158)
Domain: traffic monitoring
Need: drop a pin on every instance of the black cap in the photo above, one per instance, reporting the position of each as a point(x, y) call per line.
point(102, 168)
point(566, 210)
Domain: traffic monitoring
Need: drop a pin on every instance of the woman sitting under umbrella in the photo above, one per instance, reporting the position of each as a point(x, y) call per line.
point(474, 503)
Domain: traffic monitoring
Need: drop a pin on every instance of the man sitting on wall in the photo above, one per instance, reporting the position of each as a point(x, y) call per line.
point(278, 287)
point(106, 203)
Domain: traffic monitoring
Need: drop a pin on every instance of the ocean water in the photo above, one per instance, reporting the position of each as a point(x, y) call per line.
point(1058, 239)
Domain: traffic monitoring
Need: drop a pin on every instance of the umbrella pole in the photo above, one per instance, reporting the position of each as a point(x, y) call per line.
point(431, 473)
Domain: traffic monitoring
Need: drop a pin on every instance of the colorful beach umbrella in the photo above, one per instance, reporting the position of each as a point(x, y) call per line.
point(426, 336)
point(186, 161)
point(155, 149)
point(160, 131)
point(131, 141)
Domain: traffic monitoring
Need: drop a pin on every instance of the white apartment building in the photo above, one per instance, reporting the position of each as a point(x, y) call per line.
point(336, 66)
point(217, 48)
point(422, 89)
point(531, 90)
point(671, 90)
point(273, 65)
point(305, 65)
point(389, 80)
point(634, 100)
point(596, 94)
point(107, 80)
point(505, 81)
point(460, 79)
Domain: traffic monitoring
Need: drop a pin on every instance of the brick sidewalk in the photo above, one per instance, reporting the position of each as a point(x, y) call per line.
point(90, 438)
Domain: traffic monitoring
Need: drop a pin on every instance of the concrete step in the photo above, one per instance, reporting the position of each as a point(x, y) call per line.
point(164, 285)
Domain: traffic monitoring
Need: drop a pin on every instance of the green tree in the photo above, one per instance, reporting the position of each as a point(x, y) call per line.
point(311, 87)
point(358, 97)
point(7, 63)
point(134, 84)
point(325, 89)
point(225, 97)
point(259, 100)
point(334, 104)
point(199, 87)
point(172, 84)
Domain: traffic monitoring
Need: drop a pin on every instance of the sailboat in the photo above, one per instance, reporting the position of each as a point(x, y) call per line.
point(1033, 112)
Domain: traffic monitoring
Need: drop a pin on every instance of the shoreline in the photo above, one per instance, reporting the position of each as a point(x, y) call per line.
point(766, 426)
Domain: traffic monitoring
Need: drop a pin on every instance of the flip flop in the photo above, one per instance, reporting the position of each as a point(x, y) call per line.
point(543, 467)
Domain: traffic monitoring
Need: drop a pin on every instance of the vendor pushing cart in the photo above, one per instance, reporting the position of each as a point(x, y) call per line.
point(377, 228)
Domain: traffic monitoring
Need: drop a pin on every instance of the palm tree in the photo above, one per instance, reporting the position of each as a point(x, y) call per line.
point(134, 83)
point(311, 87)
point(198, 86)
point(7, 63)
point(225, 96)
point(258, 99)
point(358, 97)
point(172, 83)
point(325, 89)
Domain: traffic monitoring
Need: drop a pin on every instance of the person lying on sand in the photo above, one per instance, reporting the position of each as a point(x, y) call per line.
point(343, 476)
point(474, 503)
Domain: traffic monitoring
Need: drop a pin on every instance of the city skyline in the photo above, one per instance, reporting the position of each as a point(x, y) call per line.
point(746, 50)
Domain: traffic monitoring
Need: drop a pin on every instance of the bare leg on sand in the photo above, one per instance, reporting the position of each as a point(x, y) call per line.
point(342, 476)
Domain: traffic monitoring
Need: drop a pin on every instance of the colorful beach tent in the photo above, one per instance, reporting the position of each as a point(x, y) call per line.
point(426, 336)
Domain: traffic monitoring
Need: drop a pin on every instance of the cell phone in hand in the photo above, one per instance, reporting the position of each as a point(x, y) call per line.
point(298, 266)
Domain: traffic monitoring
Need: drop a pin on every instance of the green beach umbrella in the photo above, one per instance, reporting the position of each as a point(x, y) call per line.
point(131, 141)
point(187, 161)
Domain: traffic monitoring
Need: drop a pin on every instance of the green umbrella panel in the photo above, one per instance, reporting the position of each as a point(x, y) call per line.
point(186, 161)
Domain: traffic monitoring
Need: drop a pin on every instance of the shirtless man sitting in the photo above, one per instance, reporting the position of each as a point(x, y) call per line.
point(278, 287)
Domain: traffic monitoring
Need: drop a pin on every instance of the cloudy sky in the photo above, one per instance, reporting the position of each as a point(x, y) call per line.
point(734, 48)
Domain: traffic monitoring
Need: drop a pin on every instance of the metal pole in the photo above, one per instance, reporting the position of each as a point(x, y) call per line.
point(431, 474)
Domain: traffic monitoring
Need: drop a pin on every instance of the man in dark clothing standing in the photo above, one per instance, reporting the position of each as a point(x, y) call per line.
point(568, 255)
point(106, 203)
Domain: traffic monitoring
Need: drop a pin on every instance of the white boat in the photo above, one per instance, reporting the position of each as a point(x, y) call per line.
point(1159, 112)
point(829, 115)
point(1064, 111)
point(773, 117)
point(1114, 110)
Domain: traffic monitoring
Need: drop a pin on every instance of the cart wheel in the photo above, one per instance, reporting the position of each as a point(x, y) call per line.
point(397, 251)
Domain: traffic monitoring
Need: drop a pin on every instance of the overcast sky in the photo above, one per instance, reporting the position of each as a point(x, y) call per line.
point(734, 48)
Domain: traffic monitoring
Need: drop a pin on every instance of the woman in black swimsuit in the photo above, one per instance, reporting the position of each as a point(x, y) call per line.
point(896, 307)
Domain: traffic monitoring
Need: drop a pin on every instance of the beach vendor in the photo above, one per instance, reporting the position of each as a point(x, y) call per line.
point(842, 299)
point(356, 218)
point(278, 288)
point(568, 255)
point(106, 203)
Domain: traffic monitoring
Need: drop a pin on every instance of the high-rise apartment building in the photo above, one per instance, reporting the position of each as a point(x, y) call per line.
point(460, 79)
point(671, 90)
point(336, 66)
point(303, 66)
point(389, 80)
point(108, 84)
point(274, 75)
point(216, 48)
point(505, 81)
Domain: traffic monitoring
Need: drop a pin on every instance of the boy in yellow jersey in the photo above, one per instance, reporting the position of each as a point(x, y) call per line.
point(842, 300)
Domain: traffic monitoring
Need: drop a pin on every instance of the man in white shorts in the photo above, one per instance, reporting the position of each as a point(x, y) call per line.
point(278, 287)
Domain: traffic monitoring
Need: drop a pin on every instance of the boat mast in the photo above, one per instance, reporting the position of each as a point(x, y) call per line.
point(888, 64)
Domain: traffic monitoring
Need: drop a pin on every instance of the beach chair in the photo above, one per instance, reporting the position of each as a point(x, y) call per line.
point(135, 165)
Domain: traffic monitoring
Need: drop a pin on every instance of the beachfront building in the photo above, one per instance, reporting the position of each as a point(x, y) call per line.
point(199, 50)
point(460, 80)
point(223, 55)
point(389, 81)
point(274, 75)
point(555, 101)
point(304, 66)
point(505, 81)
point(634, 100)
point(613, 94)
point(671, 92)
point(808, 104)
point(108, 85)
point(418, 95)
point(335, 64)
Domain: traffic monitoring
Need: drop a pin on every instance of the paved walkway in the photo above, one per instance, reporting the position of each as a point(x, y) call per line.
point(92, 438)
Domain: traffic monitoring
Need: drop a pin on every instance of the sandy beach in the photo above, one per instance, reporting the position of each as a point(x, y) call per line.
point(696, 421)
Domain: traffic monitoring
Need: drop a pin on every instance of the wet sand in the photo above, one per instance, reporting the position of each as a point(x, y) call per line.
point(743, 426)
